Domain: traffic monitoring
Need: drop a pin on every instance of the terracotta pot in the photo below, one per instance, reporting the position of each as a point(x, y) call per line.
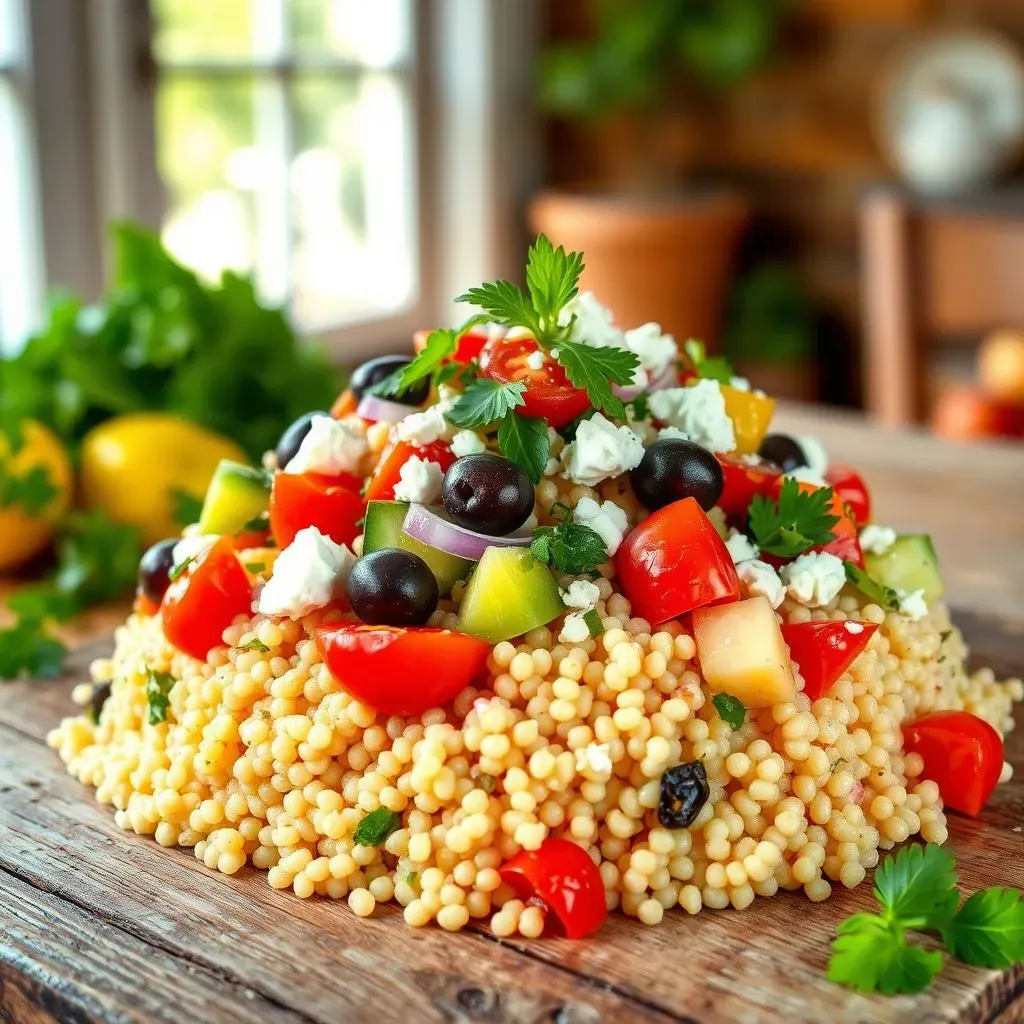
point(664, 259)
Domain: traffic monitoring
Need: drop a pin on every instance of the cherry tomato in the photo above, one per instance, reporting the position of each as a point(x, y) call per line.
point(344, 405)
point(563, 876)
point(245, 539)
point(850, 486)
point(549, 395)
point(823, 651)
point(330, 503)
point(389, 470)
point(743, 481)
point(401, 671)
point(205, 599)
point(963, 756)
point(467, 349)
point(673, 562)
point(144, 605)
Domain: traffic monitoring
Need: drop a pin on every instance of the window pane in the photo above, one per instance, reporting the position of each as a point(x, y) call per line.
point(371, 32)
point(352, 191)
point(198, 29)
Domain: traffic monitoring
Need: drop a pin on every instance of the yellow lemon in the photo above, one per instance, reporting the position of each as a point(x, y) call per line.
point(26, 529)
point(136, 468)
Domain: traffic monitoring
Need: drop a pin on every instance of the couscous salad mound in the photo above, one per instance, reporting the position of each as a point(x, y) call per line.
point(539, 623)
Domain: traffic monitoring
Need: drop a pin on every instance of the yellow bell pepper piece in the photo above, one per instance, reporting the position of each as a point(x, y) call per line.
point(750, 414)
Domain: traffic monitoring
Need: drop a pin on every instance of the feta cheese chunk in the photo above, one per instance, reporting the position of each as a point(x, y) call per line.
point(331, 446)
point(655, 350)
point(192, 546)
point(467, 442)
point(913, 604)
point(606, 519)
point(574, 629)
point(760, 579)
point(877, 539)
point(535, 360)
point(308, 574)
point(739, 384)
point(420, 481)
point(814, 579)
point(594, 324)
point(595, 761)
point(601, 451)
point(582, 595)
point(424, 427)
point(697, 411)
point(807, 475)
point(853, 628)
point(741, 547)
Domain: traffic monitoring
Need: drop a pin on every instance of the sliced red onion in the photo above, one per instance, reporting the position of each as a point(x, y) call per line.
point(627, 392)
point(668, 378)
point(424, 524)
point(382, 411)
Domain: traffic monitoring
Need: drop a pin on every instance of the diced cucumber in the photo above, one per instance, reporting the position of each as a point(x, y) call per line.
point(236, 494)
point(383, 529)
point(910, 564)
point(509, 593)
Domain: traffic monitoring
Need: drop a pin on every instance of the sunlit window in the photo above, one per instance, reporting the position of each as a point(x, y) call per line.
point(286, 146)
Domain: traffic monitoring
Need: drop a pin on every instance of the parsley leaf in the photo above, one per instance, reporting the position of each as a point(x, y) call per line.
point(594, 623)
point(32, 490)
point(871, 955)
point(919, 884)
point(639, 408)
point(570, 547)
point(187, 507)
point(730, 709)
point(158, 694)
point(375, 827)
point(524, 440)
point(255, 644)
point(595, 370)
point(695, 358)
point(797, 521)
point(28, 649)
point(552, 277)
point(505, 303)
point(988, 930)
point(882, 595)
point(440, 345)
point(485, 401)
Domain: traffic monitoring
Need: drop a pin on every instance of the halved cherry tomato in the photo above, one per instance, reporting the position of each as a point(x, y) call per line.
point(144, 605)
point(344, 405)
point(549, 395)
point(563, 876)
point(823, 651)
point(467, 349)
point(389, 470)
point(742, 481)
point(204, 600)
point(401, 671)
point(850, 486)
point(330, 503)
point(673, 562)
point(962, 754)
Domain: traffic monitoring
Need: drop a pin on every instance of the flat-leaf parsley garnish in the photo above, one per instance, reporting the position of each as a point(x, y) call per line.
point(484, 402)
point(524, 440)
point(570, 547)
point(158, 695)
point(695, 358)
point(730, 709)
point(797, 521)
point(375, 827)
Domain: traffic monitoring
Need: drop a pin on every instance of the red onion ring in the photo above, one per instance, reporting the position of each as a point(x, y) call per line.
point(668, 378)
point(425, 525)
point(382, 411)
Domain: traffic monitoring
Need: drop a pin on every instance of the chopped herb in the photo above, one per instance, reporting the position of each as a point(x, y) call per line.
point(730, 709)
point(695, 358)
point(158, 694)
point(486, 782)
point(945, 635)
point(411, 878)
point(524, 440)
point(255, 644)
point(484, 402)
point(594, 623)
point(570, 547)
point(797, 521)
point(255, 567)
point(882, 595)
point(638, 409)
point(375, 827)
point(181, 568)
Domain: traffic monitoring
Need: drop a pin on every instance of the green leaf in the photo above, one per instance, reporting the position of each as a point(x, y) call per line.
point(441, 344)
point(595, 370)
point(158, 694)
point(883, 596)
point(505, 303)
point(32, 490)
point(375, 827)
point(552, 277)
point(484, 402)
point(988, 930)
point(97, 559)
point(255, 644)
point(730, 709)
point(28, 650)
point(797, 521)
point(187, 507)
point(181, 568)
point(918, 885)
point(871, 954)
point(718, 368)
point(524, 440)
point(639, 407)
point(594, 622)
point(570, 547)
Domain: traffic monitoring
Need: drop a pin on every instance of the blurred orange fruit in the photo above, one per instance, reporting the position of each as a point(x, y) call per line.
point(1001, 366)
point(964, 413)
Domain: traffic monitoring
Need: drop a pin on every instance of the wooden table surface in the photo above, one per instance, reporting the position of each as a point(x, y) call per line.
point(97, 925)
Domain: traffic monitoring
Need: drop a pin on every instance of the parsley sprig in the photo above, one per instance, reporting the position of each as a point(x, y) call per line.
point(916, 891)
point(797, 521)
point(485, 401)
point(570, 547)
point(158, 695)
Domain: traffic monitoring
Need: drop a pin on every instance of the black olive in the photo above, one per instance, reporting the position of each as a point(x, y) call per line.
point(292, 438)
point(487, 493)
point(373, 371)
point(684, 791)
point(100, 693)
point(784, 451)
point(673, 469)
point(155, 569)
point(391, 587)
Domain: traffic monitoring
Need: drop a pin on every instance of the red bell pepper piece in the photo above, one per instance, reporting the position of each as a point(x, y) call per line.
point(823, 651)
point(850, 486)
point(330, 503)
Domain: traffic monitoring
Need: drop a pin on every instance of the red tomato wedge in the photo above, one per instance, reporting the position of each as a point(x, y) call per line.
point(205, 599)
point(549, 395)
point(963, 756)
point(251, 539)
point(330, 503)
point(563, 876)
point(389, 470)
point(401, 671)
point(467, 349)
point(850, 486)
point(673, 562)
point(742, 481)
point(823, 651)
point(144, 605)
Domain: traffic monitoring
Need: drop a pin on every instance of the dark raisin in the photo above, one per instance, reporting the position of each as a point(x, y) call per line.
point(684, 791)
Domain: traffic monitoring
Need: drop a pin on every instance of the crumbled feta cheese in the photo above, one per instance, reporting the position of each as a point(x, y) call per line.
point(331, 446)
point(308, 574)
point(594, 760)
point(424, 427)
point(741, 547)
point(601, 451)
point(807, 475)
point(535, 360)
point(467, 442)
point(192, 546)
point(594, 324)
point(582, 595)
point(655, 350)
point(574, 630)
point(420, 481)
point(913, 604)
point(814, 453)
point(699, 412)
point(739, 384)
point(814, 579)
point(607, 519)
point(853, 628)
point(761, 579)
point(877, 539)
